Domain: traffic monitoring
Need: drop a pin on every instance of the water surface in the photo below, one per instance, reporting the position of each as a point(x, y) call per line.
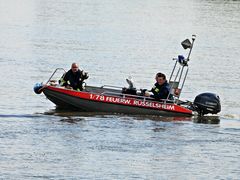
point(113, 40)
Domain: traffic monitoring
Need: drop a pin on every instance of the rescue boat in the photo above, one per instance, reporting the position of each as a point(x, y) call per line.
point(129, 100)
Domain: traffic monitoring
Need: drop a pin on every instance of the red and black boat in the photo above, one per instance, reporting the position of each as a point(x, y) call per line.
point(112, 99)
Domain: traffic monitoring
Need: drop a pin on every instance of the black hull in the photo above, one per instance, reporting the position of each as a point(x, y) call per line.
point(65, 101)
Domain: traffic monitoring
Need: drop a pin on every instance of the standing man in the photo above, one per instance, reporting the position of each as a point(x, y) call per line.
point(74, 78)
point(161, 88)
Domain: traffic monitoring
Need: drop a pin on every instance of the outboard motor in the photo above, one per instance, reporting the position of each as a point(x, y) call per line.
point(207, 103)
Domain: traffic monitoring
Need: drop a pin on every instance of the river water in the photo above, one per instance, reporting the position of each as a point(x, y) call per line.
point(113, 40)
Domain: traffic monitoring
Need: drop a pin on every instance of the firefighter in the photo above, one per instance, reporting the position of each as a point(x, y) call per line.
point(161, 88)
point(74, 78)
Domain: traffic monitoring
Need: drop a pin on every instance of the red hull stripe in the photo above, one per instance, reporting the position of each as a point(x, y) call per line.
point(122, 101)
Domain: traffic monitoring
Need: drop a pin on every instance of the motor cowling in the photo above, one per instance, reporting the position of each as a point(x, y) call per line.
point(206, 103)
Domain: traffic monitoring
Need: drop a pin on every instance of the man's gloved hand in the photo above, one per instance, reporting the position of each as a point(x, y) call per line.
point(144, 92)
point(84, 75)
point(68, 87)
point(147, 94)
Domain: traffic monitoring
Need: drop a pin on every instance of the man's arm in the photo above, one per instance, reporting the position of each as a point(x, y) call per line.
point(64, 81)
point(162, 94)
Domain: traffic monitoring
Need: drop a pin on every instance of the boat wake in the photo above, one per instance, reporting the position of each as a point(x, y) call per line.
point(231, 116)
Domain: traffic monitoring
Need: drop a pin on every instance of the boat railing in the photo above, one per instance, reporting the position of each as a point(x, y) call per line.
point(144, 98)
point(124, 95)
point(110, 86)
point(116, 87)
point(54, 72)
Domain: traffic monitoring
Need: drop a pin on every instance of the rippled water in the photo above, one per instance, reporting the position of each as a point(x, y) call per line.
point(112, 40)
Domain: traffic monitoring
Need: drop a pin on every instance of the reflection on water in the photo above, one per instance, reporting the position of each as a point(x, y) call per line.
point(72, 116)
point(207, 119)
point(72, 120)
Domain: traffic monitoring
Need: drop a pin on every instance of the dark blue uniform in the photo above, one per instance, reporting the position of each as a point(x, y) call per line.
point(160, 91)
point(75, 80)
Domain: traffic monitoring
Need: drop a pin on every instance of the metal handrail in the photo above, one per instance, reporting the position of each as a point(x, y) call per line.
point(131, 95)
point(120, 88)
point(54, 73)
point(111, 86)
point(137, 96)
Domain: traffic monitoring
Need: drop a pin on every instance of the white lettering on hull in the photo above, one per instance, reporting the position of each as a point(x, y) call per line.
point(139, 103)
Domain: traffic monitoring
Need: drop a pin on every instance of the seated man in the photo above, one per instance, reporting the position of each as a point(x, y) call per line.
point(160, 89)
point(74, 78)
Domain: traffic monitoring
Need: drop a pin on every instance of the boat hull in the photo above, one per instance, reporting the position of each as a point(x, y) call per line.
point(97, 102)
